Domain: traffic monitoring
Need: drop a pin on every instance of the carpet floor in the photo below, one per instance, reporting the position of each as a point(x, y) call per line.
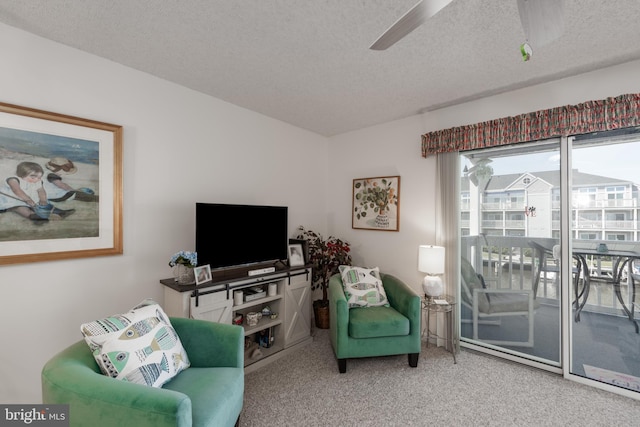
point(305, 389)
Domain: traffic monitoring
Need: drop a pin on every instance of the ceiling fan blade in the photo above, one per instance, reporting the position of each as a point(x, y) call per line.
point(542, 20)
point(411, 20)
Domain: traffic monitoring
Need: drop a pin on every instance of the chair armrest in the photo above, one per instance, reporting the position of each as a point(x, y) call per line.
point(210, 344)
point(401, 297)
point(73, 377)
point(338, 315)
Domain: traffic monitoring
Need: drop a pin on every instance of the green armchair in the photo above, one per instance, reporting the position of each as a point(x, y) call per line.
point(375, 331)
point(209, 393)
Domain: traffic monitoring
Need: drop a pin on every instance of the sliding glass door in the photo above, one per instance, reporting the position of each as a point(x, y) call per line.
point(510, 210)
point(605, 234)
point(550, 255)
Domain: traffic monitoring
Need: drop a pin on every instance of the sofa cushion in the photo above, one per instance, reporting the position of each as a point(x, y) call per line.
point(139, 346)
point(363, 287)
point(375, 322)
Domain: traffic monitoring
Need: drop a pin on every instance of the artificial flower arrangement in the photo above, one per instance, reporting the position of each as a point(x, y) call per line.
point(186, 258)
point(325, 256)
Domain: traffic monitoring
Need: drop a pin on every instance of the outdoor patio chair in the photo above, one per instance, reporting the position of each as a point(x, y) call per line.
point(488, 305)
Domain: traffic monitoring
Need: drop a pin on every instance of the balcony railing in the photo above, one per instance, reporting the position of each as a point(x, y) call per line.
point(587, 223)
point(581, 203)
point(511, 263)
point(500, 223)
point(492, 223)
point(504, 205)
point(623, 225)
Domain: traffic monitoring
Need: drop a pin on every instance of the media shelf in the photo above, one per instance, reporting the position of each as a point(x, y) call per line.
point(262, 324)
point(249, 304)
point(214, 301)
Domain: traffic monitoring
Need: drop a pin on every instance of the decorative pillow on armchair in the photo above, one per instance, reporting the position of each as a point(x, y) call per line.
point(140, 346)
point(363, 287)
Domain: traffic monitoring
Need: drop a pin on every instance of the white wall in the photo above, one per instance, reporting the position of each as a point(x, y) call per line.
point(385, 150)
point(394, 149)
point(179, 147)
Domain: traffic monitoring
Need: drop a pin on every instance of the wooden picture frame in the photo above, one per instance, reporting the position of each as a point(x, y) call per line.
point(376, 203)
point(305, 248)
point(79, 162)
point(202, 273)
point(296, 255)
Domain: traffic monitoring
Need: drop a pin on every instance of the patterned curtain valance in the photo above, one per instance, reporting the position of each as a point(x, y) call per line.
point(592, 116)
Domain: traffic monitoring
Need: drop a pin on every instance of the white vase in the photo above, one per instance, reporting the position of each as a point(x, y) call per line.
point(382, 220)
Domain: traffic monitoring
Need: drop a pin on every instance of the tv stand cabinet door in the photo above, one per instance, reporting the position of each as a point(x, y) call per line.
point(212, 307)
point(297, 302)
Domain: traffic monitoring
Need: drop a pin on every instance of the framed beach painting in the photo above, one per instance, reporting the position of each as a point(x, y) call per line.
point(60, 186)
point(376, 203)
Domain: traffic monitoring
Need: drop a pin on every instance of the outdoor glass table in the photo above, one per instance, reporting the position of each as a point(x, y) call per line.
point(619, 260)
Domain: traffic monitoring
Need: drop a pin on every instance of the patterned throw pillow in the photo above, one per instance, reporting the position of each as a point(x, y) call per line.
point(140, 346)
point(363, 287)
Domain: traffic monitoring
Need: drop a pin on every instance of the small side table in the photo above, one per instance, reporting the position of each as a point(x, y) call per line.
point(436, 306)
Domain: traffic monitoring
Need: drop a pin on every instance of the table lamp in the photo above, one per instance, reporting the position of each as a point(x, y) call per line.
point(431, 261)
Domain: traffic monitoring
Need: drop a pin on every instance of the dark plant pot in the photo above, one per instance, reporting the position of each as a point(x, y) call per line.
point(321, 314)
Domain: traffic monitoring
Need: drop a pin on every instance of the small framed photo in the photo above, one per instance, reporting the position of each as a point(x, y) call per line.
point(203, 274)
point(296, 257)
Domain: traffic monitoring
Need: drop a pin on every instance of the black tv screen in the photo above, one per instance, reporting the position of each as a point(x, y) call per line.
point(238, 235)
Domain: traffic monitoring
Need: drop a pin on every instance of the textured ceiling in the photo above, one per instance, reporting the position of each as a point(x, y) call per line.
point(308, 63)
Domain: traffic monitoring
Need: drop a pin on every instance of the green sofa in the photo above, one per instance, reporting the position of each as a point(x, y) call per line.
point(209, 393)
point(375, 331)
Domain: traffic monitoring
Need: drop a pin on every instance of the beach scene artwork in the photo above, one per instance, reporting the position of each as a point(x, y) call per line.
point(70, 177)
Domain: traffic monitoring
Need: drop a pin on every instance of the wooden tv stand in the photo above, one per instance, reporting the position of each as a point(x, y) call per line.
point(214, 301)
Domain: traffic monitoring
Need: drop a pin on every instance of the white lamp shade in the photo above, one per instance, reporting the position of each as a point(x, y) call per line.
point(431, 259)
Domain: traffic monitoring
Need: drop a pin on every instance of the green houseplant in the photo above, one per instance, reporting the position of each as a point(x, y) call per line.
point(325, 256)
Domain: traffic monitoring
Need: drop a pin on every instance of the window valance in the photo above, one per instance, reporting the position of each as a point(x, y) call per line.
point(592, 116)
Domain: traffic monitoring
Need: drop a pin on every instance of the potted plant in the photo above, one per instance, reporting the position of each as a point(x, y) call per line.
point(325, 257)
point(183, 263)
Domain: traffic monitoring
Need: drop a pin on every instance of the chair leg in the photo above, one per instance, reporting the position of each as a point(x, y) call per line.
point(342, 365)
point(413, 359)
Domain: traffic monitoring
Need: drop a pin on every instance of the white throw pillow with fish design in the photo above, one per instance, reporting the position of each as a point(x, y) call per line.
point(140, 346)
point(363, 287)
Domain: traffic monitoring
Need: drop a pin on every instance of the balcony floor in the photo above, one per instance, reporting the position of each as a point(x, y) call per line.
point(600, 340)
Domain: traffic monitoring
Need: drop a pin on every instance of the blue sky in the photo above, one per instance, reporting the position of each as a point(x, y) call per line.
point(620, 161)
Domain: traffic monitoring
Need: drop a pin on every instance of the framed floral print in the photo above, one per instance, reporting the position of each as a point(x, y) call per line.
point(376, 203)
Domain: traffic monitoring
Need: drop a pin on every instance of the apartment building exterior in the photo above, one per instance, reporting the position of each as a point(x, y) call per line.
point(528, 204)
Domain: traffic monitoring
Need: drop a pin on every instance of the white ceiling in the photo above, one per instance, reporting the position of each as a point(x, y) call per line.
point(308, 63)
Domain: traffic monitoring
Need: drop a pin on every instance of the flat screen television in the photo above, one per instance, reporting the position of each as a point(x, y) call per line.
point(239, 235)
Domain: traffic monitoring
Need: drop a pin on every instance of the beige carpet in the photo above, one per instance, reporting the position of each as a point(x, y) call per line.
point(305, 389)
